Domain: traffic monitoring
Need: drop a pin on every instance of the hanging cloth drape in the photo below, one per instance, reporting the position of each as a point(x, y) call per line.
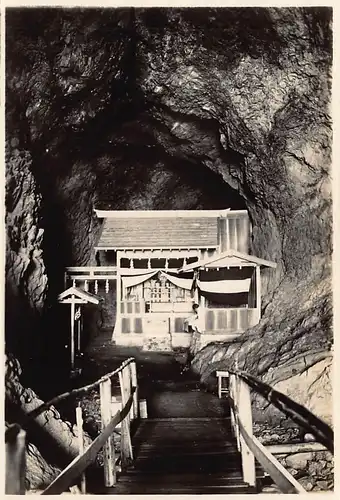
point(180, 282)
point(128, 281)
point(225, 286)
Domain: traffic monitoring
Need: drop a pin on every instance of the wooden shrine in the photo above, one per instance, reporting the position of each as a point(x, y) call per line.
point(164, 261)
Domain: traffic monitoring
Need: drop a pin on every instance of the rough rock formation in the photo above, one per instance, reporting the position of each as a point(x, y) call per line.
point(181, 108)
point(26, 280)
point(51, 441)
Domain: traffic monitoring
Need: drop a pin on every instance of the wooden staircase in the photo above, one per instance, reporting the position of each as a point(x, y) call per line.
point(184, 456)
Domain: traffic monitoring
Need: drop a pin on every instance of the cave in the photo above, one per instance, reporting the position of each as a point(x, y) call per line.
point(172, 109)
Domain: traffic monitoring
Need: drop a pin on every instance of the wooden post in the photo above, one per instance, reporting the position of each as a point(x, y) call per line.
point(227, 233)
point(72, 331)
point(127, 388)
point(79, 421)
point(118, 327)
point(108, 450)
point(245, 414)
point(125, 439)
point(234, 382)
point(236, 236)
point(258, 293)
point(79, 334)
point(233, 397)
point(16, 465)
point(134, 382)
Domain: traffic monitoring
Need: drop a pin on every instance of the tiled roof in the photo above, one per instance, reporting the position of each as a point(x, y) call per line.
point(157, 232)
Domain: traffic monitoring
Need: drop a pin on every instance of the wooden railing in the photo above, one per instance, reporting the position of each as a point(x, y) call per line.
point(250, 447)
point(15, 438)
point(90, 276)
point(15, 450)
point(127, 374)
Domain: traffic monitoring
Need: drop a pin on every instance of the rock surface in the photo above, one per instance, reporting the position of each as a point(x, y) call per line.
point(26, 279)
point(51, 441)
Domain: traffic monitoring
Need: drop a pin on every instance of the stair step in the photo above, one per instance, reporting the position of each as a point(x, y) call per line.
point(181, 452)
point(179, 489)
point(185, 419)
point(184, 479)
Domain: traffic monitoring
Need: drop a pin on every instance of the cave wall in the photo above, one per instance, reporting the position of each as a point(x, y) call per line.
point(26, 280)
point(182, 108)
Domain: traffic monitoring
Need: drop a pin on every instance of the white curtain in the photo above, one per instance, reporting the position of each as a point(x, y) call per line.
point(129, 281)
point(180, 282)
point(222, 286)
point(225, 286)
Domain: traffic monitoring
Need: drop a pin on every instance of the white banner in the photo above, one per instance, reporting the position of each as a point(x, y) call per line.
point(225, 286)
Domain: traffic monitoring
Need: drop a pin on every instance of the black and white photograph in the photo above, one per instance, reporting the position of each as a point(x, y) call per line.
point(168, 254)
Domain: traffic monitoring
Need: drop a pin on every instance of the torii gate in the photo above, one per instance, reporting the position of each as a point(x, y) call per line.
point(77, 296)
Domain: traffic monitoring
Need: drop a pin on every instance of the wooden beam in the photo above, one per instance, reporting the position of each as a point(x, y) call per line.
point(118, 296)
point(284, 449)
point(245, 414)
point(72, 330)
point(15, 464)
point(79, 422)
point(284, 480)
point(108, 451)
point(72, 301)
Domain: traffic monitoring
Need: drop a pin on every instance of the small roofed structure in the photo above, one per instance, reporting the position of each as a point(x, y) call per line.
point(77, 297)
point(230, 287)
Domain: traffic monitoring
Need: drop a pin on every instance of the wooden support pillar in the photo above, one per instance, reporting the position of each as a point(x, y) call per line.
point(72, 330)
point(248, 460)
point(227, 230)
point(125, 438)
point(118, 297)
point(79, 333)
point(79, 422)
point(234, 395)
point(236, 236)
point(258, 293)
point(15, 465)
point(108, 450)
point(134, 383)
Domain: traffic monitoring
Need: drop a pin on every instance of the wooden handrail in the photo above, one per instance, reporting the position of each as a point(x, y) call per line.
point(80, 463)
point(282, 478)
point(75, 392)
point(298, 413)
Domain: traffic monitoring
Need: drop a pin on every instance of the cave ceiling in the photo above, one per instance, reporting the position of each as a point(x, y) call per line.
point(176, 108)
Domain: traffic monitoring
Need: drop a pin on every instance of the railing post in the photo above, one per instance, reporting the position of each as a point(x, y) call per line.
point(134, 382)
point(245, 415)
point(16, 465)
point(125, 438)
point(234, 396)
point(108, 450)
point(79, 421)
